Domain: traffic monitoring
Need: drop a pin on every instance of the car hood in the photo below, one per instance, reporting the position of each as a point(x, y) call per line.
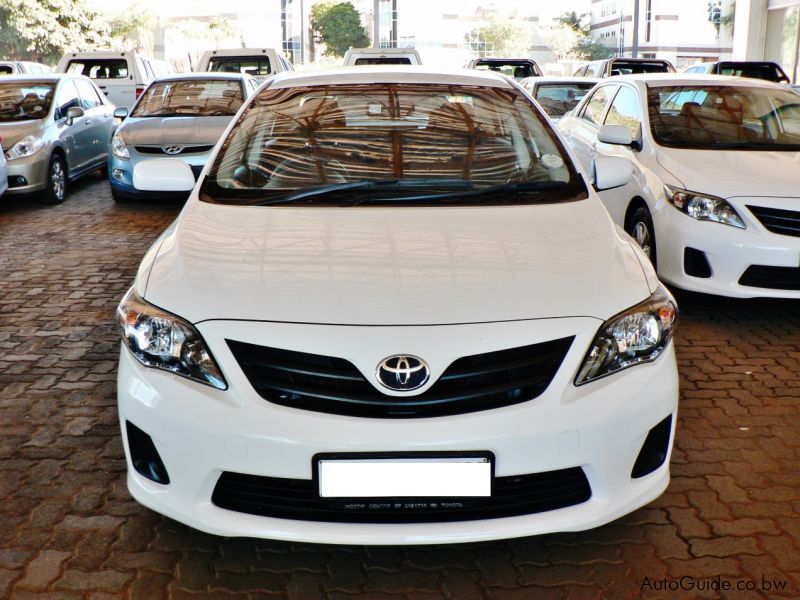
point(160, 131)
point(395, 265)
point(731, 173)
point(14, 132)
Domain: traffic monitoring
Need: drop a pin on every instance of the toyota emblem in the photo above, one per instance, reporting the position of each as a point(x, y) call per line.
point(403, 373)
point(172, 149)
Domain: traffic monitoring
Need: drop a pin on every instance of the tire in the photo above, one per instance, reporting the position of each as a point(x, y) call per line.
point(56, 190)
point(640, 228)
point(117, 197)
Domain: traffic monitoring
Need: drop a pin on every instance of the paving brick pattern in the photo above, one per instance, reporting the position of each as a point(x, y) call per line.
point(69, 529)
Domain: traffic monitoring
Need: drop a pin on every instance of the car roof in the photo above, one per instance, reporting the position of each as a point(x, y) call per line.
point(54, 77)
point(373, 50)
point(390, 74)
point(657, 79)
point(202, 75)
point(561, 79)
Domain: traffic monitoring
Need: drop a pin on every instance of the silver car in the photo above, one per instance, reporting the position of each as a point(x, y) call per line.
point(180, 116)
point(55, 128)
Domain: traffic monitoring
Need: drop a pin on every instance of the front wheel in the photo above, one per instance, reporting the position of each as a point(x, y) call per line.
point(56, 189)
point(640, 228)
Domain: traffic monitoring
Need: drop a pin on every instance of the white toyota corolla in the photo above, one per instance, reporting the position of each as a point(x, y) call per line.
point(715, 193)
point(393, 311)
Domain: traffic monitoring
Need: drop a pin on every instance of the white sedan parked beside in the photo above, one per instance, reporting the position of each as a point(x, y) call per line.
point(715, 194)
point(393, 311)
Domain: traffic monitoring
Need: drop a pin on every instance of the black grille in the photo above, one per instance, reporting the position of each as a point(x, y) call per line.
point(184, 150)
point(784, 222)
point(773, 278)
point(296, 499)
point(334, 385)
point(196, 170)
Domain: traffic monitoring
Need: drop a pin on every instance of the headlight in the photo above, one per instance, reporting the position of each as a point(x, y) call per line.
point(164, 341)
point(118, 147)
point(635, 336)
point(703, 207)
point(27, 146)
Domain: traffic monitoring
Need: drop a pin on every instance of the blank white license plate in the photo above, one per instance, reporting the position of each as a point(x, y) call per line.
point(404, 477)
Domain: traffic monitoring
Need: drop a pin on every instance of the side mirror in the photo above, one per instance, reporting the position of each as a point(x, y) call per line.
point(121, 112)
point(74, 112)
point(614, 134)
point(611, 171)
point(163, 175)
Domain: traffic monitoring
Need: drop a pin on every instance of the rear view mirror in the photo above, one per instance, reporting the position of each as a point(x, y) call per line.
point(163, 175)
point(611, 171)
point(614, 134)
point(121, 112)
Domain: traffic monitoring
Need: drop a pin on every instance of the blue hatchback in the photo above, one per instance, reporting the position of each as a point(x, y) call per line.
point(180, 116)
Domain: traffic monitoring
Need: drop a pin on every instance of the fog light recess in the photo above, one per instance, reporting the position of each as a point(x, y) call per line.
point(144, 455)
point(654, 450)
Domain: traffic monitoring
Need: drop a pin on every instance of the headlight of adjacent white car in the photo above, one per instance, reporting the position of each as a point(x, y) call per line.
point(27, 146)
point(635, 336)
point(165, 341)
point(118, 147)
point(703, 207)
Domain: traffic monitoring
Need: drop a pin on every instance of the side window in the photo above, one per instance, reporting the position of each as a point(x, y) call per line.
point(594, 109)
point(625, 111)
point(88, 93)
point(67, 98)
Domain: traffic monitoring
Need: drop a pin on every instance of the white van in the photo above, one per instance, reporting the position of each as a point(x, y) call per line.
point(122, 76)
point(381, 56)
point(259, 63)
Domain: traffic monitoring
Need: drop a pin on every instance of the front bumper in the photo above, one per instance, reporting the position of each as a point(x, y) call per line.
point(34, 171)
point(201, 432)
point(120, 173)
point(728, 250)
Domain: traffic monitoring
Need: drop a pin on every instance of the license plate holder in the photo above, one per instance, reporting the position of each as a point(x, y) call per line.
point(403, 475)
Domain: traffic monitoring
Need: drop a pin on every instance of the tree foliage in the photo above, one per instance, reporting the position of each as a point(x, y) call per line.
point(42, 30)
point(498, 37)
point(133, 30)
point(571, 38)
point(338, 26)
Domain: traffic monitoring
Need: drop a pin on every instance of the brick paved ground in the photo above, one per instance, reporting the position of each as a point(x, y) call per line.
point(69, 529)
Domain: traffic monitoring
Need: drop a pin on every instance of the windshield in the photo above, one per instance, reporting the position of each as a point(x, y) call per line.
point(559, 98)
point(24, 101)
point(391, 143)
point(518, 69)
point(191, 97)
point(383, 60)
point(768, 71)
point(725, 117)
point(627, 67)
point(257, 66)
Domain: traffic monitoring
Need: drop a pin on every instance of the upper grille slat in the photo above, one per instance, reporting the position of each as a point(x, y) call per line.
point(184, 149)
point(334, 385)
point(778, 220)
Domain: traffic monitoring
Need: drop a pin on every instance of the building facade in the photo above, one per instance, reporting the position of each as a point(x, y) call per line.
point(769, 30)
point(682, 31)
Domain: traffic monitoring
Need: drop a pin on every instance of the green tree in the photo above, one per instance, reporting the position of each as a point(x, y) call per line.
point(134, 29)
point(42, 30)
point(222, 29)
point(589, 48)
point(338, 26)
point(576, 22)
point(499, 37)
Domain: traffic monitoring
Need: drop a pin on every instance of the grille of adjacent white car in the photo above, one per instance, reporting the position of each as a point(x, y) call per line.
point(333, 385)
point(297, 499)
point(770, 277)
point(778, 220)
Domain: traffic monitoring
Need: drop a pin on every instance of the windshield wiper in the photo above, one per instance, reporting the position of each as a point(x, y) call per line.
point(510, 187)
point(371, 184)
